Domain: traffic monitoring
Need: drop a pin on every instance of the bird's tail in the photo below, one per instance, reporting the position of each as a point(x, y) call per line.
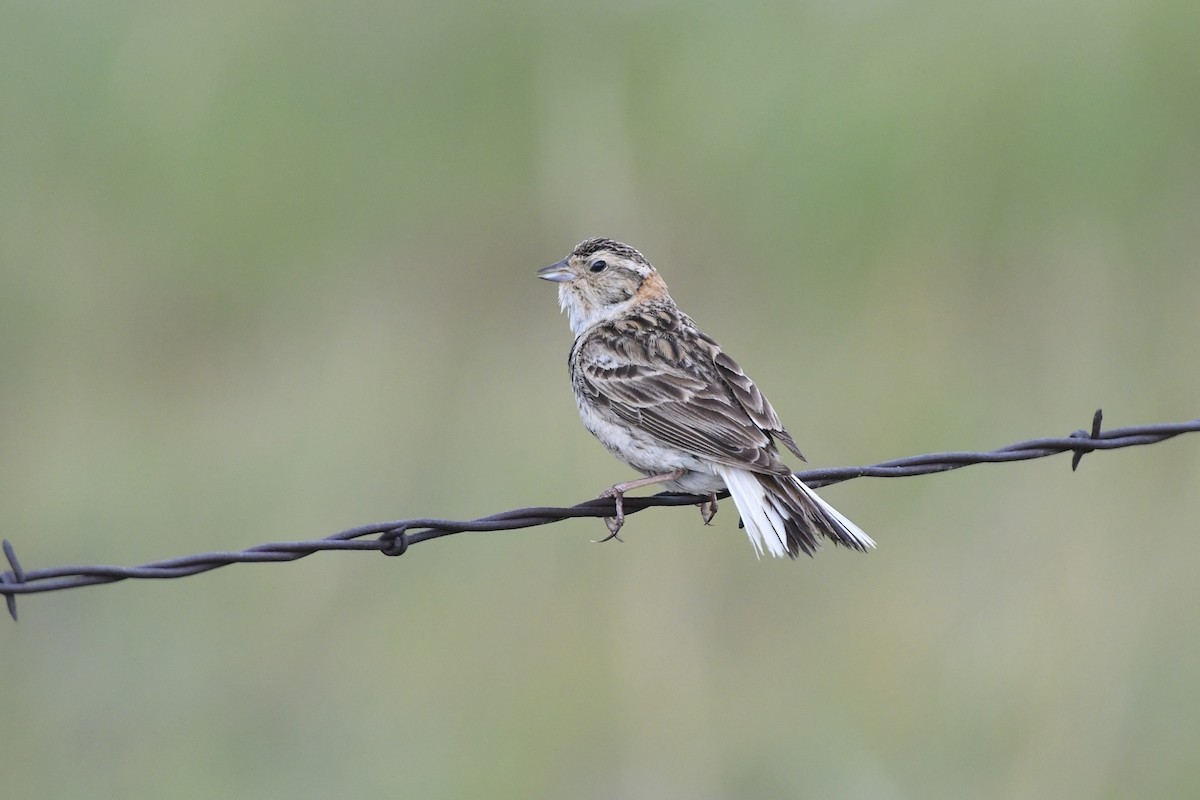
point(782, 516)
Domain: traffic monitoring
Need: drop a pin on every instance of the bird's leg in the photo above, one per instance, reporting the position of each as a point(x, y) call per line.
point(618, 491)
point(708, 509)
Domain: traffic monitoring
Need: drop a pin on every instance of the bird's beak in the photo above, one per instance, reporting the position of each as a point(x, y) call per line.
point(559, 272)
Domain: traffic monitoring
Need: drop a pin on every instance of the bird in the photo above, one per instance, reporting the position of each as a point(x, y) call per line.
point(664, 398)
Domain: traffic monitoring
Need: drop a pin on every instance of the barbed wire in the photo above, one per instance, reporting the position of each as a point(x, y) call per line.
point(396, 537)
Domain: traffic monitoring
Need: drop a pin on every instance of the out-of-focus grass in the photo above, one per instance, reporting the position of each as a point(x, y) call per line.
point(266, 272)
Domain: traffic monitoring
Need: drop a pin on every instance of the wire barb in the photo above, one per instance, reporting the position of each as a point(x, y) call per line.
point(16, 575)
point(394, 542)
point(1097, 418)
point(396, 537)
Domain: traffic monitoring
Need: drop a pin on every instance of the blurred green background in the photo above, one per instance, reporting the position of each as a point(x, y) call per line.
point(266, 272)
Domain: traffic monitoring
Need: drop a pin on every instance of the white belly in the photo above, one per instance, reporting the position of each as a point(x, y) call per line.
point(650, 456)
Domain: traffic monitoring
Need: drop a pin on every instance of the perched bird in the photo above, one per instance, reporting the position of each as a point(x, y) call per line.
point(662, 397)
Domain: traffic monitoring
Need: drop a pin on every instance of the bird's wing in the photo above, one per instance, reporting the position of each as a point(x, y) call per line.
point(752, 401)
point(682, 390)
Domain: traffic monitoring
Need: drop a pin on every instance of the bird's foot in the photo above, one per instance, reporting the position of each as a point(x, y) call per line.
point(617, 492)
point(614, 523)
point(708, 509)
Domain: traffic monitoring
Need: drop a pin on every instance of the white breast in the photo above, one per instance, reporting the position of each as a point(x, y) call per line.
point(648, 456)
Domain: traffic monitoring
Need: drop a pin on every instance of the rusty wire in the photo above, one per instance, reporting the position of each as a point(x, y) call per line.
point(396, 537)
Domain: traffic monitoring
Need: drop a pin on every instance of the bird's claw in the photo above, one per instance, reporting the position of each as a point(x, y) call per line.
point(708, 509)
point(614, 523)
point(611, 523)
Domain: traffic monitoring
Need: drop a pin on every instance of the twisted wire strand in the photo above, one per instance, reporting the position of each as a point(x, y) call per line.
point(395, 537)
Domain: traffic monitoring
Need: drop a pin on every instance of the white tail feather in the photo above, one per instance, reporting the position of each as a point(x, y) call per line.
point(855, 532)
point(766, 515)
point(766, 534)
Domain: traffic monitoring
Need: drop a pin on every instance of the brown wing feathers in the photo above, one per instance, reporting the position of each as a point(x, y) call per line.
point(675, 383)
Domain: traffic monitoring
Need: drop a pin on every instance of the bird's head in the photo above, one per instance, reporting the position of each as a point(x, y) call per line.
point(600, 280)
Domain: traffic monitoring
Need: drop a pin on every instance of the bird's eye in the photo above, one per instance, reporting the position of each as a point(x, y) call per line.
point(598, 266)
